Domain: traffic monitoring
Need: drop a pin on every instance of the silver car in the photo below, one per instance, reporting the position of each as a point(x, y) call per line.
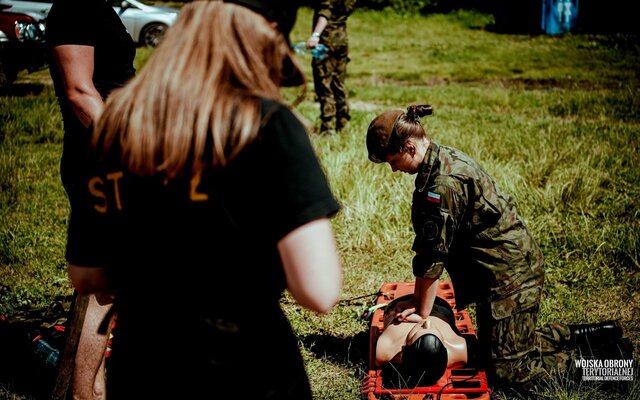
point(146, 23)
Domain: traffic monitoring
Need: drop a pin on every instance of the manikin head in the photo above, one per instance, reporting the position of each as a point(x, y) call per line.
point(424, 357)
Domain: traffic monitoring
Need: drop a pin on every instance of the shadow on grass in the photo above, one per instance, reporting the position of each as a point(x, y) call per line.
point(22, 373)
point(346, 351)
point(28, 336)
point(22, 90)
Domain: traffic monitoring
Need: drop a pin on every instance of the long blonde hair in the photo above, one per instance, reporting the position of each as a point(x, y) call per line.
point(199, 90)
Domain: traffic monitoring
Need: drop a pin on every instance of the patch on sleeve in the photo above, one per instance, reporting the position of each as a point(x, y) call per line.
point(433, 197)
point(430, 230)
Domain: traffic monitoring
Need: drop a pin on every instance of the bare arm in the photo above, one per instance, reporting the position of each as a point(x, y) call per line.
point(312, 265)
point(419, 308)
point(314, 39)
point(75, 63)
point(426, 295)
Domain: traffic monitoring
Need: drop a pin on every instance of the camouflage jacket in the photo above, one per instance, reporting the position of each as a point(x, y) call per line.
point(465, 225)
point(336, 12)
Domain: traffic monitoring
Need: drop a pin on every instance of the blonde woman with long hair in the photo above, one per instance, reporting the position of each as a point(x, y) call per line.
point(202, 200)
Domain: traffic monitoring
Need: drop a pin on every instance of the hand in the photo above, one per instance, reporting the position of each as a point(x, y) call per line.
point(413, 317)
point(405, 311)
point(313, 42)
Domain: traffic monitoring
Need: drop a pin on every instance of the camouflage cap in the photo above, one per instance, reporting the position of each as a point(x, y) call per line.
point(380, 136)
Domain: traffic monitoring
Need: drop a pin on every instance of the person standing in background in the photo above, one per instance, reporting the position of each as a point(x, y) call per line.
point(329, 73)
point(91, 55)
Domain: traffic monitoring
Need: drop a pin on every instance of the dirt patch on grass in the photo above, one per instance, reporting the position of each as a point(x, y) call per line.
point(545, 84)
point(364, 106)
point(516, 83)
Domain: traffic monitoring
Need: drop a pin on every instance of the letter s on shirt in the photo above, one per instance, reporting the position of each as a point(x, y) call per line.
point(96, 188)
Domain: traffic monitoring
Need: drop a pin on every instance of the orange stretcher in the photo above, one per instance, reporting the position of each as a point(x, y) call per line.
point(456, 384)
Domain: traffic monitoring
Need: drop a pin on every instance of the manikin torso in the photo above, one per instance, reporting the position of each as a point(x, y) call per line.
point(398, 334)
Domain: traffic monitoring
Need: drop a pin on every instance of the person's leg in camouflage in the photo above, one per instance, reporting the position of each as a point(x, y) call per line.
point(322, 80)
point(341, 55)
point(518, 354)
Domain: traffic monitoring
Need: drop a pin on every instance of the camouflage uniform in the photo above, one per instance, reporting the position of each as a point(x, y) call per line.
point(465, 224)
point(330, 72)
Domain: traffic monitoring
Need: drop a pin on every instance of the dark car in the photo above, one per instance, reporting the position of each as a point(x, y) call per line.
point(22, 45)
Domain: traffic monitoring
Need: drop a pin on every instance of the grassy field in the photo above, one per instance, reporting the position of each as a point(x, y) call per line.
point(556, 121)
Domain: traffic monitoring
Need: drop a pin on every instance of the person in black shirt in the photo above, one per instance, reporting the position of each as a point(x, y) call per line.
point(204, 197)
point(92, 54)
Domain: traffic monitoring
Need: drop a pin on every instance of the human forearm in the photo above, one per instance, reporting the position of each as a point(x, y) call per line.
point(76, 67)
point(86, 103)
point(320, 25)
point(425, 295)
point(314, 39)
point(312, 265)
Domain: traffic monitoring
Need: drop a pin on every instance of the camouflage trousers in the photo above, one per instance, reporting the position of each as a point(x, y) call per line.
point(328, 77)
point(518, 353)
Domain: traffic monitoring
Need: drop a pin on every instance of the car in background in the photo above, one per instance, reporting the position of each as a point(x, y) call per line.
point(22, 45)
point(31, 6)
point(145, 22)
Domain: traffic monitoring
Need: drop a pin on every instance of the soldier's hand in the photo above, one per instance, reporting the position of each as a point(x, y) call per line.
point(413, 317)
point(313, 42)
point(406, 311)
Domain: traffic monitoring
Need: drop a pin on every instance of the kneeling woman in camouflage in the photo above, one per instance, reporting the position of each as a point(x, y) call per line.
point(465, 224)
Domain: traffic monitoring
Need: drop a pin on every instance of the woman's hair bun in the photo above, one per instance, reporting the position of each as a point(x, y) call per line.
point(416, 111)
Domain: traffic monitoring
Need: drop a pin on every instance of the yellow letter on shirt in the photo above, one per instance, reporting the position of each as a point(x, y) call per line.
point(194, 195)
point(115, 176)
point(96, 180)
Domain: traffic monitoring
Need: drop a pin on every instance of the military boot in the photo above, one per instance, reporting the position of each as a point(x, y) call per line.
point(594, 334)
point(327, 128)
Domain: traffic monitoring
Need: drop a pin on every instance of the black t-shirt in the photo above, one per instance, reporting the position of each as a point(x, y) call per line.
point(93, 23)
point(88, 23)
point(275, 185)
point(207, 250)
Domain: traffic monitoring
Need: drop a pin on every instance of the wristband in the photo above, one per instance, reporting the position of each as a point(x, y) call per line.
point(315, 35)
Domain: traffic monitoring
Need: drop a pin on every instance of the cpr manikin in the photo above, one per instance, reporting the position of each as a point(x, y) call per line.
point(422, 350)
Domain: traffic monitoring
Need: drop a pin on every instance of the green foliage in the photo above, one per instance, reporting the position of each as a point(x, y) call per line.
point(41, 119)
point(553, 119)
point(409, 6)
point(424, 6)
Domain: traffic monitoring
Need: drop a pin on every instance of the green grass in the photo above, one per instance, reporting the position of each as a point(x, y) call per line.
point(554, 119)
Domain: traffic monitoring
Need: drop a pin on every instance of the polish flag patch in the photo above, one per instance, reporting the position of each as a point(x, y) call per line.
point(433, 197)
